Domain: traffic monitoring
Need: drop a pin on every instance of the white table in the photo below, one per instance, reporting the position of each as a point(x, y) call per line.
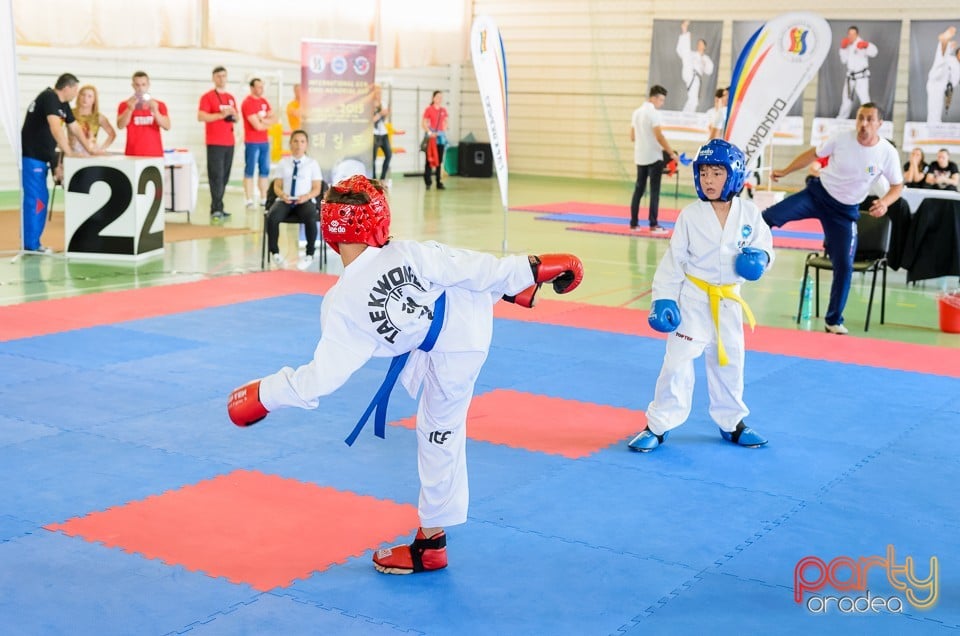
point(180, 181)
point(113, 207)
point(915, 196)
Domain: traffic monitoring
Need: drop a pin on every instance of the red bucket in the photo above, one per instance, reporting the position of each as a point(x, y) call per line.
point(950, 312)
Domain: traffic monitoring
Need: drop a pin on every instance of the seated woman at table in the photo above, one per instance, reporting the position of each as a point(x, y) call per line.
point(914, 171)
point(943, 174)
point(87, 113)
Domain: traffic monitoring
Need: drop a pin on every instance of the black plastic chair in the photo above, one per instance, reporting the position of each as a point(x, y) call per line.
point(292, 219)
point(873, 242)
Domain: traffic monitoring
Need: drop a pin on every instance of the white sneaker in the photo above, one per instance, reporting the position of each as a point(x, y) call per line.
point(305, 262)
point(249, 203)
point(840, 330)
point(389, 183)
point(658, 229)
point(277, 260)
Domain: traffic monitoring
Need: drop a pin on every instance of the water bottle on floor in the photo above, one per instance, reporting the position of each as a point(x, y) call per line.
point(807, 300)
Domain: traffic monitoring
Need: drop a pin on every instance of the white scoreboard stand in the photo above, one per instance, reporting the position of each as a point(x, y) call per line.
point(113, 207)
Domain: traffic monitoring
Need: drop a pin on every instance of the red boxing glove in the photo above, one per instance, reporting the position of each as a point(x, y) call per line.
point(565, 271)
point(844, 43)
point(525, 298)
point(244, 405)
point(862, 44)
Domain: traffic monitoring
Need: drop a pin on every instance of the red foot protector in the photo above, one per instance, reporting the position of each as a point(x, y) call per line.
point(422, 555)
point(249, 527)
point(547, 424)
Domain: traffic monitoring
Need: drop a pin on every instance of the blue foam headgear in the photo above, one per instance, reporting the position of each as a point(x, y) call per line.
point(718, 152)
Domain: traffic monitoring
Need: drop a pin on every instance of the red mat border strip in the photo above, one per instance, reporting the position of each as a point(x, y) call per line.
point(78, 312)
point(44, 317)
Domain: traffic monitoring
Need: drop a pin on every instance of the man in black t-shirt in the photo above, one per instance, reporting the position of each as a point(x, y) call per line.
point(942, 174)
point(40, 136)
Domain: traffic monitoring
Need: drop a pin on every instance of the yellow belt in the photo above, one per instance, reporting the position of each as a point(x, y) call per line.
point(716, 292)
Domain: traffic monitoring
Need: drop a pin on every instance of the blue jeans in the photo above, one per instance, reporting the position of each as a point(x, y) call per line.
point(839, 222)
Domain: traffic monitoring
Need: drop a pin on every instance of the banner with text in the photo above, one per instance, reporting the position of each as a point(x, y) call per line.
point(775, 65)
point(337, 81)
point(790, 130)
point(490, 67)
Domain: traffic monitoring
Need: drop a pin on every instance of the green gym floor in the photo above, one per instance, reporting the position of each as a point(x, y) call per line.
point(619, 269)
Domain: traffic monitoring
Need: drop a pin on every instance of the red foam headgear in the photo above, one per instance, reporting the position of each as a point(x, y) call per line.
point(367, 223)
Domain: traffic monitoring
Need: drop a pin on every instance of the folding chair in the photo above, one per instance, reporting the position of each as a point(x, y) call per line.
point(293, 219)
point(873, 242)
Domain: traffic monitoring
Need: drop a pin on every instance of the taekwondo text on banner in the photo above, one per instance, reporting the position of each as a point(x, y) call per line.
point(337, 84)
point(774, 67)
point(790, 130)
point(490, 67)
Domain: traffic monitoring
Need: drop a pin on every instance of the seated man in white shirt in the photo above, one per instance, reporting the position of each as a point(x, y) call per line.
point(297, 185)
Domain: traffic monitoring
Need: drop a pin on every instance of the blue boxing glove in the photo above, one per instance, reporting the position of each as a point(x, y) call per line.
point(751, 263)
point(664, 315)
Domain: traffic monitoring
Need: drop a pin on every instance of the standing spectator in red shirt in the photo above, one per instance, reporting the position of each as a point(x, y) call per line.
point(143, 116)
point(218, 110)
point(435, 127)
point(257, 119)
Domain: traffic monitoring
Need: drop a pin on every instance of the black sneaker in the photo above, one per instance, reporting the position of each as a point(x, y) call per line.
point(440, 186)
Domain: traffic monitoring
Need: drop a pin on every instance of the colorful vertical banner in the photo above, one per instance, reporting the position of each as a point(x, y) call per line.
point(337, 81)
point(775, 65)
point(490, 67)
point(933, 111)
point(790, 130)
point(861, 67)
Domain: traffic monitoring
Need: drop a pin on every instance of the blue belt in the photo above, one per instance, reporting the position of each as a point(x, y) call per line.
point(382, 397)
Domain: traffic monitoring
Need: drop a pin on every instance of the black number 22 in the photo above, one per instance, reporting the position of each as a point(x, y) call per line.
point(88, 238)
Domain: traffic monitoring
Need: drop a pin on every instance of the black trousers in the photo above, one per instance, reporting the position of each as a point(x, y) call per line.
point(219, 161)
point(655, 172)
point(281, 210)
point(427, 169)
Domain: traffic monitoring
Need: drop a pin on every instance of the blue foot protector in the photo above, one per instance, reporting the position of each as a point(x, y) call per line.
point(744, 436)
point(646, 441)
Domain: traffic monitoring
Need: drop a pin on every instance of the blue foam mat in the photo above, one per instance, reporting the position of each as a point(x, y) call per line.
point(53, 584)
point(617, 542)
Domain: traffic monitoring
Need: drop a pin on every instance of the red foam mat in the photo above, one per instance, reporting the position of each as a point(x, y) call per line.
point(550, 424)
point(249, 527)
point(77, 312)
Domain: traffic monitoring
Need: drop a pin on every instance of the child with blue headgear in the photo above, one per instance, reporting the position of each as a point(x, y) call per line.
point(718, 243)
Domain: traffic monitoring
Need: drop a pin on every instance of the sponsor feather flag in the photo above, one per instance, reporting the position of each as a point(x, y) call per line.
point(776, 64)
point(490, 67)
